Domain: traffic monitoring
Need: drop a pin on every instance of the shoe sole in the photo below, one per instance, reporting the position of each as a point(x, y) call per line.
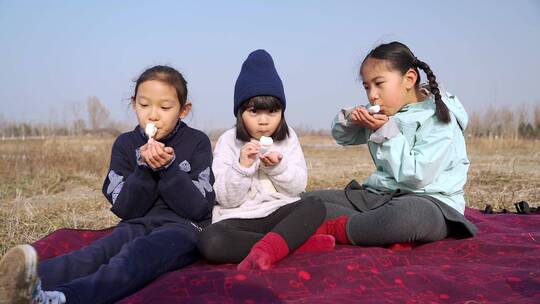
point(18, 275)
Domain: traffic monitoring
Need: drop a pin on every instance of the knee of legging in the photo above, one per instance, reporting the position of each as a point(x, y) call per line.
point(211, 245)
point(313, 206)
point(315, 193)
point(425, 220)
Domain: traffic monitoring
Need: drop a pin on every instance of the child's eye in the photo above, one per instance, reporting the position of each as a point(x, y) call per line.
point(379, 83)
point(165, 108)
point(252, 111)
point(143, 105)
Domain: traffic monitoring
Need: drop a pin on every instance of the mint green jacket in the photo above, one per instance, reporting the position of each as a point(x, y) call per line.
point(414, 151)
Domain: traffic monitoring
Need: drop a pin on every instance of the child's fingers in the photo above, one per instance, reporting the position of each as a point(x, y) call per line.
point(251, 146)
point(266, 161)
point(381, 120)
point(380, 117)
point(272, 158)
point(254, 142)
point(168, 159)
point(249, 151)
point(254, 149)
point(150, 161)
point(157, 154)
point(372, 122)
point(355, 116)
point(366, 117)
point(364, 112)
point(156, 143)
point(169, 150)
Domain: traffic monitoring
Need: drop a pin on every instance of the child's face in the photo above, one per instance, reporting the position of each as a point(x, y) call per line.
point(385, 87)
point(157, 103)
point(261, 122)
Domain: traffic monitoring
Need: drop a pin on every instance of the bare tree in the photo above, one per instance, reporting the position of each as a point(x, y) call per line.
point(474, 127)
point(491, 122)
point(537, 117)
point(508, 123)
point(78, 126)
point(98, 115)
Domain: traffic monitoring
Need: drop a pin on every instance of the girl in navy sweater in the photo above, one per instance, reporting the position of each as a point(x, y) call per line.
point(160, 185)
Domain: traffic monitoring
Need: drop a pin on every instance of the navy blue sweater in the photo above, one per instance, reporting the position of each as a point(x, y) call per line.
point(181, 190)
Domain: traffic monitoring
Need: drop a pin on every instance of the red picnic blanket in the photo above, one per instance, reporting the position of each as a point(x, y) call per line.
point(500, 265)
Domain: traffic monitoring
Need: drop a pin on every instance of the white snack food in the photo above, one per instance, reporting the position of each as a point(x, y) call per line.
point(374, 109)
point(266, 143)
point(150, 130)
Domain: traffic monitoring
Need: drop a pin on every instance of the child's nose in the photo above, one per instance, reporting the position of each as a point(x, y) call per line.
point(154, 114)
point(373, 95)
point(263, 120)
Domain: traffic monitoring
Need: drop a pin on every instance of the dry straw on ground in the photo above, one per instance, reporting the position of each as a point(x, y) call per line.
point(47, 184)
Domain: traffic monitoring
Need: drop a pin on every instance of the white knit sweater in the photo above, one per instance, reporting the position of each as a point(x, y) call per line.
point(242, 192)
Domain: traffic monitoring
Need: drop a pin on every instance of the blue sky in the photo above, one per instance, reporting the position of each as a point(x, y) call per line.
point(54, 55)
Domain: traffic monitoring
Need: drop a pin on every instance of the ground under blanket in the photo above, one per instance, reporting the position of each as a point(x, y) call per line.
point(500, 265)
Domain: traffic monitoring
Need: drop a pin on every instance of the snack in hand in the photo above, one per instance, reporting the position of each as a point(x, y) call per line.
point(150, 130)
point(266, 143)
point(374, 109)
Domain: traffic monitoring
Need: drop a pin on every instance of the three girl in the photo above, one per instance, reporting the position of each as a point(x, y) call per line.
point(160, 187)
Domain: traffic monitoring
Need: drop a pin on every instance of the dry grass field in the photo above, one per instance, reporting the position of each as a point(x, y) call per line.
point(47, 184)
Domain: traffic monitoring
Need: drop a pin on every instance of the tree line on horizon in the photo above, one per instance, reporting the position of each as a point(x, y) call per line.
point(495, 122)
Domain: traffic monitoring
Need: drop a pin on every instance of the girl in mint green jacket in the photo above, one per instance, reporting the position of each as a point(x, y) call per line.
point(415, 137)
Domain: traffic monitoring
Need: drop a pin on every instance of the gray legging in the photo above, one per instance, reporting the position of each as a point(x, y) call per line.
point(405, 218)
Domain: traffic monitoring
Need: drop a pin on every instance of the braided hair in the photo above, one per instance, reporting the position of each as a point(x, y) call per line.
point(401, 58)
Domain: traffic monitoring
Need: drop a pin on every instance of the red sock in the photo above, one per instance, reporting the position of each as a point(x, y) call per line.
point(317, 243)
point(269, 250)
point(336, 227)
point(401, 246)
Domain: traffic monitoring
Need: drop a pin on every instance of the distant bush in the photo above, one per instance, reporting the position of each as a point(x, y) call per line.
point(503, 123)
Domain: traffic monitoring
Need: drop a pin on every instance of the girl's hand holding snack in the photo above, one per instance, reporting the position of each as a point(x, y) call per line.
point(155, 154)
point(249, 152)
point(362, 117)
point(271, 158)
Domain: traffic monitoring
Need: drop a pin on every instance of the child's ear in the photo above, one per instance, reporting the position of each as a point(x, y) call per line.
point(410, 78)
point(184, 111)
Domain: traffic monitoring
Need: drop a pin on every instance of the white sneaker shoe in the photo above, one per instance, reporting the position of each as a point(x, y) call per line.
point(19, 281)
point(18, 275)
point(49, 297)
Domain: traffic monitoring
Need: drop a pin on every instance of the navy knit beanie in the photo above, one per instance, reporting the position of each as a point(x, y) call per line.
point(258, 77)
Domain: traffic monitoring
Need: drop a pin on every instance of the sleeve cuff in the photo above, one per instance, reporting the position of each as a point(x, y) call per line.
point(387, 131)
point(246, 171)
point(344, 115)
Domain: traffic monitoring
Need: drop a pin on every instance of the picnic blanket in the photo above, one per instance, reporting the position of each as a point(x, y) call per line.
point(500, 265)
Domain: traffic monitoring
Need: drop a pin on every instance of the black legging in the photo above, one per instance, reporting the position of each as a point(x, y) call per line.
point(407, 218)
point(229, 241)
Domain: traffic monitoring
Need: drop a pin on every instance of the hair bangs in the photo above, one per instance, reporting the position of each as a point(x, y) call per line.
point(257, 103)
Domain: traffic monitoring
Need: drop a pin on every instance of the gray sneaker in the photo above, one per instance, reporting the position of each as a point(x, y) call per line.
point(48, 297)
point(18, 275)
point(19, 281)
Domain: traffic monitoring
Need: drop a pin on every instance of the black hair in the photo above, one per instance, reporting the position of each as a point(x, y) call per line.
point(167, 75)
point(401, 58)
point(256, 103)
